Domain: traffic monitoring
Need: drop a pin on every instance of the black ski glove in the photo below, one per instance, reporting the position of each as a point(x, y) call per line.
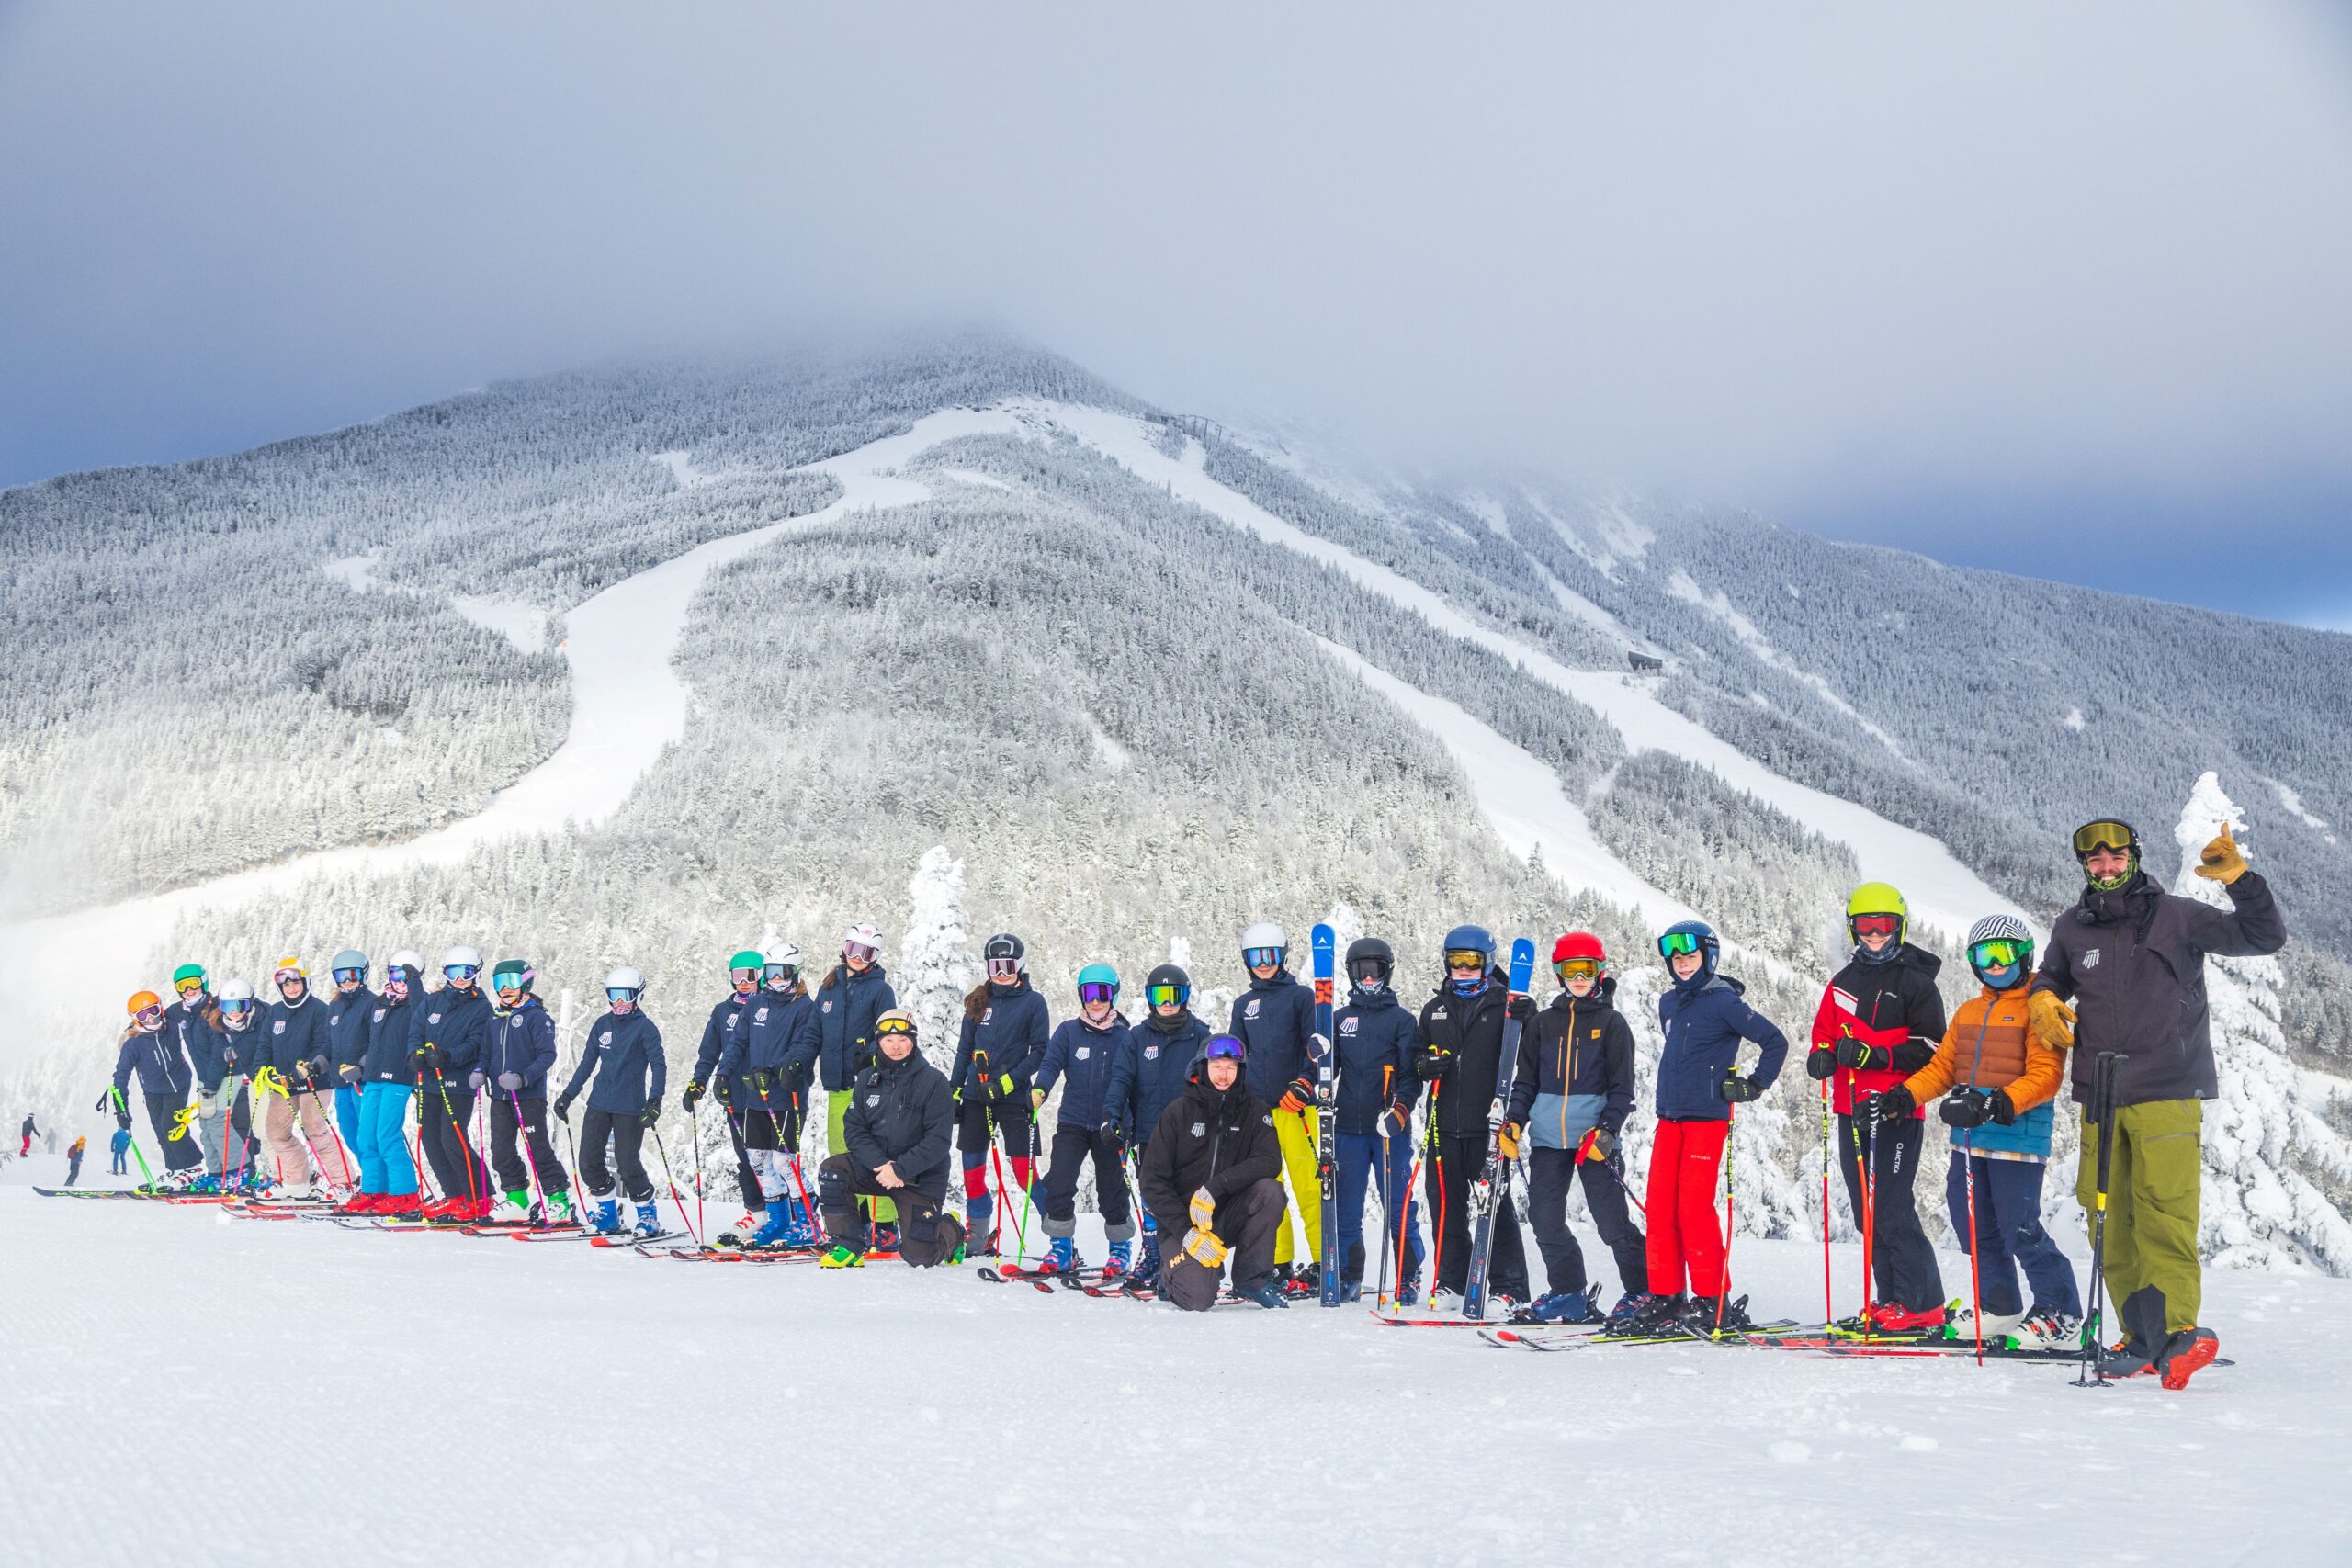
point(761, 1082)
point(692, 1097)
point(1887, 1105)
point(651, 1113)
point(1974, 1108)
point(429, 1059)
point(1911, 1055)
point(1113, 1134)
point(1820, 1063)
point(563, 1106)
point(349, 1072)
point(724, 1093)
point(122, 1119)
point(1432, 1062)
point(1737, 1091)
point(2001, 1108)
point(1853, 1053)
point(1520, 1008)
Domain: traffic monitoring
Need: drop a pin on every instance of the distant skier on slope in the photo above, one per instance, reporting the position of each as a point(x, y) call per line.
point(29, 1131)
point(1147, 1074)
point(2130, 957)
point(1569, 1099)
point(1458, 1053)
point(1998, 1080)
point(767, 1060)
point(1698, 1083)
point(623, 1069)
point(1000, 1046)
point(1209, 1175)
point(1080, 1058)
point(1373, 1118)
point(147, 1049)
point(896, 1127)
point(727, 1018)
point(74, 1161)
point(1879, 1020)
point(1275, 1017)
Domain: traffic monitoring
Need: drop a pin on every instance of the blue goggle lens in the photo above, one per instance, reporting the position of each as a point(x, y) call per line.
point(462, 970)
point(1259, 957)
point(1224, 1048)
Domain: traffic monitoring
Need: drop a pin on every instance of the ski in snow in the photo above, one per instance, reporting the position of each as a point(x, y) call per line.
point(1493, 1186)
point(1327, 1165)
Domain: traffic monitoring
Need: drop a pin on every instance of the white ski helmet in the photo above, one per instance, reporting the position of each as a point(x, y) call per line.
point(624, 977)
point(1265, 933)
point(785, 954)
point(862, 934)
point(462, 955)
point(406, 958)
point(234, 990)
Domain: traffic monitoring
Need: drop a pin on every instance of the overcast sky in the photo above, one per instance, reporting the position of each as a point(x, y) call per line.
point(2063, 289)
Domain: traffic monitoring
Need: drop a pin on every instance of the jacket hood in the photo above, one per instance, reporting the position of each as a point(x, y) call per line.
point(1283, 976)
point(1604, 995)
point(2101, 906)
point(1904, 956)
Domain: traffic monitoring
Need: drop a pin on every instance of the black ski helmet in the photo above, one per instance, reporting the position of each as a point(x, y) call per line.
point(1004, 944)
point(1374, 957)
point(1170, 974)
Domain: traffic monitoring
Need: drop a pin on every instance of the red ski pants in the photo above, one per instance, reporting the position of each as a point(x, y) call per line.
point(1685, 1237)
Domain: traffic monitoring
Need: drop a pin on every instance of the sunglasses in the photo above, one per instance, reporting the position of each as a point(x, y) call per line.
point(462, 970)
point(349, 976)
point(894, 1026)
point(1998, 952)
point(1164, 996)
point(1003, 968)
point(1877, 925)
point(1577, 968)
point(1098, 991)
point(858, 953)
point(1673, 944)
point(1466, 958)
point(2093, 836)
point(1224, 1048)
point(1262, 957)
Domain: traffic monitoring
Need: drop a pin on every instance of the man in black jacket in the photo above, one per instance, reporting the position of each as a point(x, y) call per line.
point(897, 1129)
point(1208, 1176)
point(2130, 957)
point(1458, 1055)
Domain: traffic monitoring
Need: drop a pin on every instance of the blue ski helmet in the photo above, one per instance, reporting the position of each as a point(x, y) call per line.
point(1463, 938)
point(1691, 936)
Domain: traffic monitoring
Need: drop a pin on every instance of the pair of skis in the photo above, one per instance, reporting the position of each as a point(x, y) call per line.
point(1493, 1185)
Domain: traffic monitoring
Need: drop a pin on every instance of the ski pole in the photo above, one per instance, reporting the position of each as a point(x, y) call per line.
point(1828, 1305)
point(124, 1106)
point(1968, 1154)
point(1610, 1165)
point(799, 1182)
point(1403, 1222)
point(693, 1120)
point(2102, 1117)
point(531, 1161)
point(464, 1151)
point(1028, 1188)
point(670, 1178)
point(1723, 1281)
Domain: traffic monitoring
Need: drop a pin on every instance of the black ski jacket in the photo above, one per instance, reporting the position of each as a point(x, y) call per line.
point(1223, 1141)
point(902, 1115)
point(1575, 1069)
point(1470, 1030)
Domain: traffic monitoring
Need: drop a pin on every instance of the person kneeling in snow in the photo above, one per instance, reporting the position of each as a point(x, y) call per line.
point(1209, 1174)
point(897, 1134)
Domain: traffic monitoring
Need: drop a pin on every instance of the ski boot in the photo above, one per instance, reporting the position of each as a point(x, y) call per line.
point(882, 1238)
point(2128, 1358)
point(1352, 1286)
point(1718, 1317)
point(1145, 1275)
point(557, 1209)
point(1961, 1322)
point(747, 1226)
point(773, 1235)
point(364, 1203)
point(1304, 1279)
point(841, 1255)
point(980, 1230)
point(1640, 1315)
point(182, 1180)
point(1408, 1290)
point(1061, 1256)
point(2046, 1331)
point(1114, 1263)
point(2186, 1354)
point(1268, 1292)
point(649, 1219)
point(1562, 1307)
point(802, 1231)
point(513, 1209)
point(605, 1217)
point(398, 1206)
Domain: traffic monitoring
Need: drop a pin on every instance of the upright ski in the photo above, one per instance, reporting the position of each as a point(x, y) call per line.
point(1493, 1185)
point(1327, 1165)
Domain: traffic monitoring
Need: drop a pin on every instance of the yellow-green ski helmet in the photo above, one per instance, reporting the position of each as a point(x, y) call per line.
point(1878, 898)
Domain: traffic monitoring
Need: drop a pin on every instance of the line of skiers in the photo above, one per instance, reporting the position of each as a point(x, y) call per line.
point(1211, 1138)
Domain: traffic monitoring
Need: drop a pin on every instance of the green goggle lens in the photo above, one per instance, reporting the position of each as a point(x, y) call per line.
point(1164, 996)
point(1675, 943)
point(2000, 953)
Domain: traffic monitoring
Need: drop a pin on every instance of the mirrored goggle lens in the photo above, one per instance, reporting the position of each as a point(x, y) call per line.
point(781, 972)
point(1098, 991)
point(1259, 957)
point(858, 953)
point(349, 976)
point(1877, 925)
point(2102, 836)
point(1364, 969)
point(235, 1007)
point(1163, 996)
point(288, 978)
point(1466, 958)
point(148, 1015)
point(894, 1026)
point(619, 994)
point(1578, 969)
point(1674, 943)
point(462, 970)
point(1224, 1048)
point(751, 974)
point(1997, 953)
point(1003, 968)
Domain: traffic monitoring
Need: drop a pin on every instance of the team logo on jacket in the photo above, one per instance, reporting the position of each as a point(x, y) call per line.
point(1083, 1051)
point(987, 1013)
point(605, 1038)
point(431, 1018)
point(872, 1101)
point(2090, 959)
point(1251, 1010)
point(1268, 1118)
point(379, 1016)
point(730, 1022)
point(1200, 1129)
point(1436, 1015)
point(1151, 1053)
point(278, 1028)
point(827, 1006)
point(1596, 1035)
point(1347, 1026)
point(762, 1016)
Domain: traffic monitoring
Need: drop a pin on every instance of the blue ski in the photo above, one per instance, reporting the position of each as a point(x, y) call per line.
point(1494, 1181)
point(1327, 1168)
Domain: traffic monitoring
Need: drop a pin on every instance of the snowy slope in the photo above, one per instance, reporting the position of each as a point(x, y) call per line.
point(619, 1410)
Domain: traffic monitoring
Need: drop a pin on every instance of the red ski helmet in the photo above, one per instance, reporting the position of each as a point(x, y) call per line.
point(1578, 944)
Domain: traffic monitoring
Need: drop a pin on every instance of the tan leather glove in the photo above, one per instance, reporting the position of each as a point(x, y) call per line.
point(1203, 1247)
point(2221, 860)
point(2052, 1020)
point(1202, 1209)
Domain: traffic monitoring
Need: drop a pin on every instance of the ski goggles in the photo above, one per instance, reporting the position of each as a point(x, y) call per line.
point(349, 976)
point(1468, 958)
point(1876, 925)
point(1167, 995)
point(235, 1007)
point(2109, 835)
point(462, 970)
point(1262, 957)
point(1224, 1048)
point(745, 976)
point(858, 953)
point(396, 984)
point(190, 986)
point(1003, 968)
point(1999, 952)
point(894, 1026)
point(776, 972)
point(1098, 991)
point(1369, 971)
point(284, 976)
point(1673, 944)
point(1577, 968)
point(620, 996)
point(148, 1018)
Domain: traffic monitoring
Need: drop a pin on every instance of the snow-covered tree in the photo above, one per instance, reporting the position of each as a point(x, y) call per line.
point(936, 965)
point(2270, 1131)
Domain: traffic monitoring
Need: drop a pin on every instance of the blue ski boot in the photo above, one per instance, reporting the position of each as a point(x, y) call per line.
point(1147, 1274)
point(777, 1231)
point(1562, 1307)
point(1060, 1257)
point(649, 1218)
point(606, 1218)
point(1115, 1266)
point(801, 1231)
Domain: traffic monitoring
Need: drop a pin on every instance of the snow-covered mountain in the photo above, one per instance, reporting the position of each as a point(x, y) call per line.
point(957, 638)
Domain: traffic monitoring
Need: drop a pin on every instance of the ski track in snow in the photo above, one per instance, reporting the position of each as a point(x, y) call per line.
point(1124, 1423)
point(1943, 893)
point(626, 706)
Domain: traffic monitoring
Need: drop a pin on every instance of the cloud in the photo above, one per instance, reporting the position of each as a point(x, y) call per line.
point(1814, 258)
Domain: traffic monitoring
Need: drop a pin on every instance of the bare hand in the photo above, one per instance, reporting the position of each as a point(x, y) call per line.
point(889, 1176)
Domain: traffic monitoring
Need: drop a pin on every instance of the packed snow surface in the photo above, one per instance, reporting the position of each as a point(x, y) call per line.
point(479, 1400)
